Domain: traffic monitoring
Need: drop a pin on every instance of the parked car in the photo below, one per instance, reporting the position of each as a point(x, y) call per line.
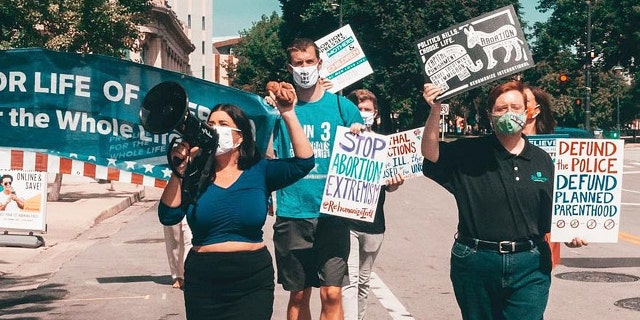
point(574, 132)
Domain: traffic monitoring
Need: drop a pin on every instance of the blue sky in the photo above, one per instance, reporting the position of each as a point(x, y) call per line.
point(232, 16)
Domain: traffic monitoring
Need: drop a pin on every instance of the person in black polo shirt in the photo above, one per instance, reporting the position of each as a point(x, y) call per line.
point(502, 184)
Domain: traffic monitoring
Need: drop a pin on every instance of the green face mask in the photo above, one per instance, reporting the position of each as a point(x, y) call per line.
point(509, 123)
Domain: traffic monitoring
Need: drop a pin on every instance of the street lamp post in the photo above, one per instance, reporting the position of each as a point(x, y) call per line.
point(587, 98)
point(618, 71)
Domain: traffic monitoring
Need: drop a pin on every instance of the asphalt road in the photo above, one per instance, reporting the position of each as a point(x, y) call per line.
point(124, 274)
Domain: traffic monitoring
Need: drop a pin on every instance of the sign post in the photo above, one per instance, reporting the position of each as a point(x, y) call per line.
point(443, 112)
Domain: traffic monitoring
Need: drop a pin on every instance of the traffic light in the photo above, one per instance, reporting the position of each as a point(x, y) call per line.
point(578, 102)
point(563, 78)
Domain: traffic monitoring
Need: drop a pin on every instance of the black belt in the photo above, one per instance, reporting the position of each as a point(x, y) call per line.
point(501, 246)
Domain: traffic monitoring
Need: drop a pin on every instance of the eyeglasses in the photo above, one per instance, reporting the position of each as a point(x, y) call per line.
point(502, 109)
point(8, 183)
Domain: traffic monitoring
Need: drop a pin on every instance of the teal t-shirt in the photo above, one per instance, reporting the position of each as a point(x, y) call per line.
point(319, 120)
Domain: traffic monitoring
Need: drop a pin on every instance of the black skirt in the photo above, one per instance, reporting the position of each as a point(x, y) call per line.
point(229, 285)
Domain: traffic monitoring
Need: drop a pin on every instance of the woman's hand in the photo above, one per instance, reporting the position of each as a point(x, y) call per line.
point(576, 243)
point(183, 152)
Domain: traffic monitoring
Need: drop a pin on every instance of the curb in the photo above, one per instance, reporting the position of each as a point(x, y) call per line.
point(125, 203)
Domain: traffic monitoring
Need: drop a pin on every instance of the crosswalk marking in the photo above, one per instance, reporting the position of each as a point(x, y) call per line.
point(386, 298)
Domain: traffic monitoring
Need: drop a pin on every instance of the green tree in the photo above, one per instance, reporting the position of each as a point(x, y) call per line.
point(386, 31)
point(561, 46)
point(83, 26)
point(260, 56)
point(86, 26)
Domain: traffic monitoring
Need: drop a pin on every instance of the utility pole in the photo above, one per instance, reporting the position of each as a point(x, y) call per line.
point(587, 98)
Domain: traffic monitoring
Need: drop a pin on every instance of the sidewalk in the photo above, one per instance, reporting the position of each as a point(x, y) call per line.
point(83, 203)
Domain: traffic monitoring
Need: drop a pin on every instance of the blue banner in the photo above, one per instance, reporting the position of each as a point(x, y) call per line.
point(86, 107)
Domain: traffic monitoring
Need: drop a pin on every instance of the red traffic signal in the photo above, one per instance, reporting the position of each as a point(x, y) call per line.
point(578, 102)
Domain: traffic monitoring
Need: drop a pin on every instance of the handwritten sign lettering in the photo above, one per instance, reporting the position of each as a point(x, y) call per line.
point(587, 190)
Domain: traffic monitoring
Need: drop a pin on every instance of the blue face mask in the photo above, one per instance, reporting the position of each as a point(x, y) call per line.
point(509, 123)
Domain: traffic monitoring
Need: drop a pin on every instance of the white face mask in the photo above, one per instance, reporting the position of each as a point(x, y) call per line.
point(305, 77)
point(367, 117)
point(225, 139)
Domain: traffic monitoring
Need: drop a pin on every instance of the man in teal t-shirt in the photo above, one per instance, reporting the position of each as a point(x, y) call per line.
point(311, 248)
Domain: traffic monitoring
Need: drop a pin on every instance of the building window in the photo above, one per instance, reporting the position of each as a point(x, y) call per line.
point(203, 77)
point(203, 24)
point(202, 47)
point(189, 21)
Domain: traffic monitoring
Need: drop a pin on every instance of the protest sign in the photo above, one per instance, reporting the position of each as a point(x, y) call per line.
point(587, 190)
point(475, 52)
point(343, 61)
point(354, 180)
point(86, 108)
point(405, 156)
point(31, 188)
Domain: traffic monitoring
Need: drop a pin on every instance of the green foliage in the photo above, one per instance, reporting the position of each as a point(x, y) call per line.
point(260, 56)
point(561, 46)
point(388, 29)
point(87, 26)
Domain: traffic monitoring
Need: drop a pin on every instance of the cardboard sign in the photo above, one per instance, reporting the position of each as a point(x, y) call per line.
point(354, 180)
point(31, 188)
point(587, 190)
point(475, 52)
point(343, 61)
point(404, 154)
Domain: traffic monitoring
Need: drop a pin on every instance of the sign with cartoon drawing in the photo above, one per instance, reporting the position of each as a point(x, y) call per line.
point(475, 52)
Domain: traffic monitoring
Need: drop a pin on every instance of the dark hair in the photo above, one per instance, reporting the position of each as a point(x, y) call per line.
point(248, 151)
point(360, 95)
point(545, 123)
point(301, 44)
point(7, 176)
point(500, 89)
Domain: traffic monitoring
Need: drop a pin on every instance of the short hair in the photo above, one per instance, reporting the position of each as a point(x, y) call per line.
point(7, 176)
point(545, 123)
point(301, 44)
point(359, 95)
point(502, 88)
point(248, 151)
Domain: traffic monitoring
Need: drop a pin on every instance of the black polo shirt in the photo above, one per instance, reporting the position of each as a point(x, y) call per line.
point(500, 196)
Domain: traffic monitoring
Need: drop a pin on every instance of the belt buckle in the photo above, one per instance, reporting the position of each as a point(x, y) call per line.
point(507, 244)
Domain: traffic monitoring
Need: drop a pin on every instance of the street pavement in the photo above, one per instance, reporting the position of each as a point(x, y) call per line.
point(91, 214)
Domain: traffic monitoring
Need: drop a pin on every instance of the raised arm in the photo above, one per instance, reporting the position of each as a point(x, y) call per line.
point(285, 99)
point(429, 145)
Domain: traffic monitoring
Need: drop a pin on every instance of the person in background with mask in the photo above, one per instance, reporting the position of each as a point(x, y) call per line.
point(502, 185)
point(229, 271)
point(366, 237)
point(311, 248)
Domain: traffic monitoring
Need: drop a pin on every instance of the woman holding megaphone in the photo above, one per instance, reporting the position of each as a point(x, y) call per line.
point(229, 272)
